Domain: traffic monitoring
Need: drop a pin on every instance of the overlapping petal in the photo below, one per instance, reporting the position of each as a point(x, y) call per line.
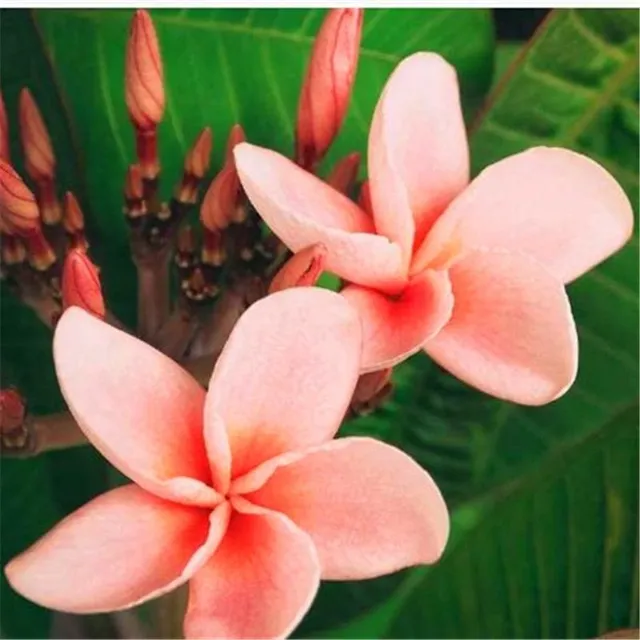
point(140, 409)
point(369, 508)
point(260, 582)
point(302, 210)
point(396, 327)
point(121, 549)
point(285, 377)
point(511, 334)
point(418, 152)
point(553, 204)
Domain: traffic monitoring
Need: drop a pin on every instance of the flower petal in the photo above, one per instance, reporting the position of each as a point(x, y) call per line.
point(285, 377)
point(259, 584)
point(302, 210)
point(418, 152)
point(122, 548)
point(137, 407)
point(395, 328)
point(558, 206)
point(511, 334)
point(368, 507)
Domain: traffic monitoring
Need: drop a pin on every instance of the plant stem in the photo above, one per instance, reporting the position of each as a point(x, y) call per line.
point(153, 293)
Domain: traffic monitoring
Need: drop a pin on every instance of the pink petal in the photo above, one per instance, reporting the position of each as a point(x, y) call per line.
point(369, 508)
point(418, 152)
point(259, 584)
point(511, 334)
point(302, 210)
point(556, 205)
point(285, 377)
point(396, 327)
point(137, 407)
point(122, 548)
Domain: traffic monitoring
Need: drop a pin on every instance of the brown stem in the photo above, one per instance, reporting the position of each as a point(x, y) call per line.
point(153, 293)
point(176, 334)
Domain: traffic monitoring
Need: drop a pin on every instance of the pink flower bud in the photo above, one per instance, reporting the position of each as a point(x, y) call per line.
point(81, 284)
point(144, 80)
point(5, 153)
point(12, 410)
point(344, 173)
point(221, 200)
point(39, 251)
point(18, 207)
point(301, 270)
point(40, 162)
point(73, 219)
point(327, 85)
point(364, 199)
point(236, 136)
point(197, 160)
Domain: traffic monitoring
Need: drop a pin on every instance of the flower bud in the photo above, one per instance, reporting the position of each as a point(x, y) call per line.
point(40, 162)
point(344, 173)
point(73, 222)
point(5, 153)
point(236, 136)
point(185, 247)
point(12, 249)
point(81, 284)
point(219, 207)
point(213, 252)
point(12, 410)
point(196, 164)
point(371, 391)
point(39, 251)
point(301, 270)
point(144, 80)
point(18, 207)
point(198, 157)
point(327, 84)
point(364, 199)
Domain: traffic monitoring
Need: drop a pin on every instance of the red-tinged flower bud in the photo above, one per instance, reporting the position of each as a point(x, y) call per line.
point(364, 199)
point(144, 79)
point(13, 250)
point(81, 284)
point(198, 157)
point(371, 391)
point(301, 270)
point(5, 153)
point(219, 207)
point(39, 251)
point(73, 220)
point(344, 173)
point(213, 252)
point(40, 162)
point(12, 410)
point(18, 207)
point(327, 84)
point(236, 136)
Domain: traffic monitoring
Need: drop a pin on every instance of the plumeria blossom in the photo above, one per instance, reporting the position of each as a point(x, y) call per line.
point(239, 490)
point(474, 273)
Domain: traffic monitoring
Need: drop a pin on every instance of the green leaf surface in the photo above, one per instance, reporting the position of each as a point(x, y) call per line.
point(556, 557)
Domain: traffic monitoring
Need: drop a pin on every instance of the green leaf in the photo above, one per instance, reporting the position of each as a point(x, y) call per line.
point(224, 66)
point(556, 557)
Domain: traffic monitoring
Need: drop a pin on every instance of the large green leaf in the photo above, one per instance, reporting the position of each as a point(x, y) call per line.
point(224, 66)
point(556, 557)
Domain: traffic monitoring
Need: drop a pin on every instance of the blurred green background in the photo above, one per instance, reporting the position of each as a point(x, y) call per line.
point(544, 500)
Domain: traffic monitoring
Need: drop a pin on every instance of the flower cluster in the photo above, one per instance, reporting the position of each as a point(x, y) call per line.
point(240, 490)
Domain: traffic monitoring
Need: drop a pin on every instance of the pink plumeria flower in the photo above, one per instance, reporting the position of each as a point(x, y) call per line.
point(473, 273)
point(238, 490)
